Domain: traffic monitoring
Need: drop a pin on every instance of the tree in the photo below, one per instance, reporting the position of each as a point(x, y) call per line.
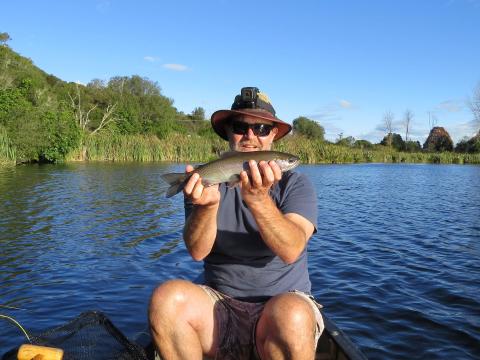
point(198, 114)
point(4, 37)
point(394, 140)
point(388, 124)
point(346, 141)
point(407, 119)
point(82, 112)
point(413, 146)
point(308, 128)
point(467, 145)
point(438, 140)
point(363, 144)
point(474, 104)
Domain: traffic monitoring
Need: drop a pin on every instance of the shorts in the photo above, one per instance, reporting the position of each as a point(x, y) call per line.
point(236, 322)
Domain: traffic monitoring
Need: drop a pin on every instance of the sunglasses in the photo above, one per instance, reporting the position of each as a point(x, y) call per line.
point(241, 128)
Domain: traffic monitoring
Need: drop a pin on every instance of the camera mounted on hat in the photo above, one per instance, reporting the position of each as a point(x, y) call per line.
point(252, 98)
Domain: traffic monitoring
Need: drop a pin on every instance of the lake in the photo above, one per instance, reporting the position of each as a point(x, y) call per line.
point(395, 261)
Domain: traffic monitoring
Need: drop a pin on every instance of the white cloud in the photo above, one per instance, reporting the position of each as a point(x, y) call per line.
point(150, 58)
point(344, 104)
point(465, 129)
point(176, 67)
point(450, 106)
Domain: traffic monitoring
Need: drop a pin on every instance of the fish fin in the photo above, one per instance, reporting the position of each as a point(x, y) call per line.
point(176, 182)
point(233, 181)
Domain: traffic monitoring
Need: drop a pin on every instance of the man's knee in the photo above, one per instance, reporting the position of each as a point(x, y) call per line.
point(289, 310)
point(171, 291)
point(170, 299)
point(288, 323)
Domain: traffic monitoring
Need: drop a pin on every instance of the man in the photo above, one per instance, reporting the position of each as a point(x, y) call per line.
point(252, 239)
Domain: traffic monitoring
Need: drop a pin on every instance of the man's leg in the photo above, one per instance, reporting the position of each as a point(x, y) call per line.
point(181, 316)
point(288, 328)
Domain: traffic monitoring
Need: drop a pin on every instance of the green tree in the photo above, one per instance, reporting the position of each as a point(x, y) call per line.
point(346, 141)
point(198, 114)
point(363, 144)
point(412, 146)
point(4, 38)
point(394, 140)
point(308, 128)
point(467, 145)
point(62, 135)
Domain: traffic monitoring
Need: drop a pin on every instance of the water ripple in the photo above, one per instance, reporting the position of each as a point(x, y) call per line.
point(394, 261)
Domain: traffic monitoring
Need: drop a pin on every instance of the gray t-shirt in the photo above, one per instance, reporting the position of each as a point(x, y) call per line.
point(240, 264)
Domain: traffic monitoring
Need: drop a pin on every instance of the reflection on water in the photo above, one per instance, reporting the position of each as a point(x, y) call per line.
point(394, 261)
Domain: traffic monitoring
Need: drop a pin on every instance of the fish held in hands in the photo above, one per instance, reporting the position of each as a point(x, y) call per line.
point(228, 168)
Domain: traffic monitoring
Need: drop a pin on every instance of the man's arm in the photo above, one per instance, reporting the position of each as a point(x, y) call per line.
point(285, 234)
point(200, 228)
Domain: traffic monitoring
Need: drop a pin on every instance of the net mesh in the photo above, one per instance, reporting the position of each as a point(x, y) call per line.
point(91, 335)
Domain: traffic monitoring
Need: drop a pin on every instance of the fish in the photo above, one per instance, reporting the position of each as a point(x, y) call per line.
point(227, 169)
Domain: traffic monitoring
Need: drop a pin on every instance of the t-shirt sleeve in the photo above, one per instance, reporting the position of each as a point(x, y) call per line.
point(299, 197)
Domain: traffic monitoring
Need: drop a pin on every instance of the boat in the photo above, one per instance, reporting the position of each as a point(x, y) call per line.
point(333, 344)
point(93, 333)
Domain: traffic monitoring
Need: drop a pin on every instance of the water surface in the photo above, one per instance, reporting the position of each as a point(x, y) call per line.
point(395, 260)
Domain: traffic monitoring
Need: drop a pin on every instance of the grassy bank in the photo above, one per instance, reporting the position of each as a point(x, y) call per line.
point(193, 148)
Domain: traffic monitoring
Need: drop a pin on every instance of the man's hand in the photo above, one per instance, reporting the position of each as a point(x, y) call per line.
point(256, 186)
point(199, 194)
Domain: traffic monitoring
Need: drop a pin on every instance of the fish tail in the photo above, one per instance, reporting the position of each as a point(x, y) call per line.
point(176, 182)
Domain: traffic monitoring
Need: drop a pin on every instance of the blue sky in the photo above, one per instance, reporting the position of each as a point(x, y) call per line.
point(341, 63)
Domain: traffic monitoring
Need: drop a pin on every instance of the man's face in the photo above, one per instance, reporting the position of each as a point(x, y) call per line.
point(249, 141)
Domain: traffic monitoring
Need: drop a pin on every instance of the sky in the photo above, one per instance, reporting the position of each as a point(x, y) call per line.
point(341, 63)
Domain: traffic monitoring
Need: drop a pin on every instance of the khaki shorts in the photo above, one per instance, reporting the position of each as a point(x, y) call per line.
point(236, 322)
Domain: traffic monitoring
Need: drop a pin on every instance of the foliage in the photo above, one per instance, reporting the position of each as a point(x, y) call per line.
point(346, 141)
point(309, 128)
point(198, 114)
point(412, 146)
point(363, 144)
point(469, 145)
point(62, 135)
point(43, 118)
point(4, 37)
point(394, 140)
point(7, 151)
point(438, 140)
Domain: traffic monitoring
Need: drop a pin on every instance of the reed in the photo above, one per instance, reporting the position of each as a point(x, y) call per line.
point(7, 150)
point(194, 148)
point(172, 148)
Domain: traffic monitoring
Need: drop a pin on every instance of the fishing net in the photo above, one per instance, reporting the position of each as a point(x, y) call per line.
point(89, 336)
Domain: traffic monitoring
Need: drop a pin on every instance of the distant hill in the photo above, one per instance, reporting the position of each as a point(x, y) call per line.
point(44, 117)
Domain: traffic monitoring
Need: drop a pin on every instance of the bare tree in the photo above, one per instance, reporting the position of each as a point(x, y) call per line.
point(388, 123)
point(83, 117)
point(407, 119)
point(432, 120)
point(474, 104)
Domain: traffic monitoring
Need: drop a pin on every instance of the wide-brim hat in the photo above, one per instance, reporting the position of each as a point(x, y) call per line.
point(253, 103)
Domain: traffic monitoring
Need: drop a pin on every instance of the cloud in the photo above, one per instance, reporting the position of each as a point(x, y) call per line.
point(450, 106)
point(103, 6)
point(176, 67)
point(345, 104)
point(464, 129)
point(150, 58)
